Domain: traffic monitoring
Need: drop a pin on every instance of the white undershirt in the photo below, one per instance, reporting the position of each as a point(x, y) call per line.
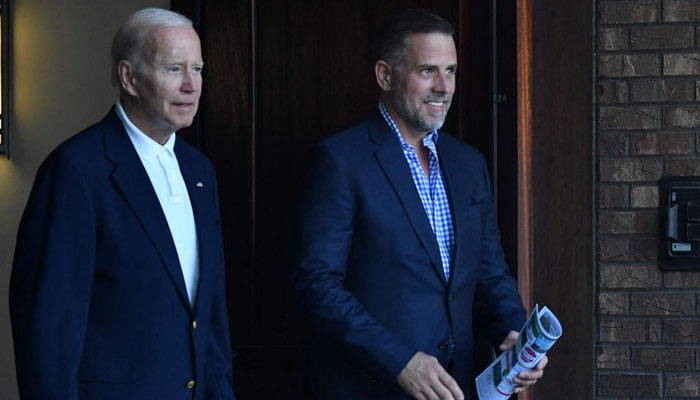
point(163, 169)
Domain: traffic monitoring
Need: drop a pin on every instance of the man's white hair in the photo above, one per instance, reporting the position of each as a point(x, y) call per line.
point(128, 43)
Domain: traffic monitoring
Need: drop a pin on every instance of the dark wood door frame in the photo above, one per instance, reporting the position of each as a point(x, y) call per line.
point(555, 183)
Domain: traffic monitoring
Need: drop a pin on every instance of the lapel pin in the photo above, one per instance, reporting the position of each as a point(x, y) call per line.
point(199, 184)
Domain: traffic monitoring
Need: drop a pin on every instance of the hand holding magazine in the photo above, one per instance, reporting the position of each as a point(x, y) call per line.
point(536, 337)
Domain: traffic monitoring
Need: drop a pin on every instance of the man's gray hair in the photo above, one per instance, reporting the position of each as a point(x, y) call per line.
point(131, 37)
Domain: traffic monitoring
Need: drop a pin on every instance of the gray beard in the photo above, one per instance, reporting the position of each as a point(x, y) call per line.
point(412, 115)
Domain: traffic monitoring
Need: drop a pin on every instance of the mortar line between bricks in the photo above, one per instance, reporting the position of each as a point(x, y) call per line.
point(679, 24)
point(632, 104)
point(664, 103)
point(656, 346)
point(626, 264)
point(661, 51)
point(650, 78)
point(640, 132)
point(631, 208)
point(650, 318)
point(650, 51)
point(648, 290)
point(662, 380)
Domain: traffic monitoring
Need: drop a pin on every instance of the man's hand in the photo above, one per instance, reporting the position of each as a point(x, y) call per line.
point(425, 379)
point(524, 379)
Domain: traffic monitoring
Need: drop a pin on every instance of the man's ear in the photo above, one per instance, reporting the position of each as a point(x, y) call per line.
point(127, 77)
point(382, 70)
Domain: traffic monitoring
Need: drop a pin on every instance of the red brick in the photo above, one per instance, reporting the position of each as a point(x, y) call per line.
point(626, 118)
point(612, 92)
point(613, 196)
point(681, 331)
point(612, 144)
point(661, 37)
point(625, 222)
point(611, 358)
point(661, 143)
point(629, 331)
point(644, 249)
point(628, 65)
point(645, 196)
point(658, 90)
point(629, 276)
point(683, 167)
point(628, 385)
point(662, 304)
point(682, 385)
point(682, 117)
point(613, 249)
point(662, 359)
point(626, 170)
point(682, 280)
point(612, 303)
point(681, 10)
point(681, 64)
point(613, 39)
point(627, 12)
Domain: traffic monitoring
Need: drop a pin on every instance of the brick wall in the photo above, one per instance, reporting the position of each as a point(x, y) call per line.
point(648, 122)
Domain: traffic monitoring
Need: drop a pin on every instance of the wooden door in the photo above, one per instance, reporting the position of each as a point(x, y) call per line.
point(280, 76)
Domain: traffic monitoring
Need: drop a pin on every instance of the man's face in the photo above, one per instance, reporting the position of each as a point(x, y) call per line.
point(423, 83)
point(168, 82)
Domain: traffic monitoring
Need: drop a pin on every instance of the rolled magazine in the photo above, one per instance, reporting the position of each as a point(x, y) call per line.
point(537, 336)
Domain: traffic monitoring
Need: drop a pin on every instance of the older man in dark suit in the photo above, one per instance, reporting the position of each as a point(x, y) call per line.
point(397, 238)
point(117, 288)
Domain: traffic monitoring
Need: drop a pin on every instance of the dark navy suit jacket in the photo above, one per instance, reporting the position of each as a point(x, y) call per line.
point(97, 298)
point(367, 268)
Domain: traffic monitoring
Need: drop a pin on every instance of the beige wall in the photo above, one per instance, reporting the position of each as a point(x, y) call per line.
point(61, 85)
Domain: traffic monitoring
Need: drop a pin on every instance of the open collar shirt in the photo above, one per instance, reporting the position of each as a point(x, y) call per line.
point(431, 190)
point(163, 170)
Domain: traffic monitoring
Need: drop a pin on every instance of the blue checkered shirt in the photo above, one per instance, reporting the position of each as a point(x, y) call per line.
point(431, 191)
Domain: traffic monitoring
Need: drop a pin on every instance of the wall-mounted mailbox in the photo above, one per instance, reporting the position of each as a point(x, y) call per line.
point(679, 248)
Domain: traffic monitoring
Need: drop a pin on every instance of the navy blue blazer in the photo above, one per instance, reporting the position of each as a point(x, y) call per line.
point(367, 268)
point(98, 302)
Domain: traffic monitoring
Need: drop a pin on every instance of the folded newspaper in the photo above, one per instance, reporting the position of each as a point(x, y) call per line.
point(538, 335)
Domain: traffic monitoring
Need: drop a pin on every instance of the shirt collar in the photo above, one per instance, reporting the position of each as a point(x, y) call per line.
point(147, 148)
point(430, 137)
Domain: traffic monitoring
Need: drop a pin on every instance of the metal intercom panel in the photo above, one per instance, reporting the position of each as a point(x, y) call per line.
point(679, 249)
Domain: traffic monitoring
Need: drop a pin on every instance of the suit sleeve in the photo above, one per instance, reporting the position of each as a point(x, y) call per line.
point(324, 235)
point(219, 381)
point(496, 289)
point(51, 281)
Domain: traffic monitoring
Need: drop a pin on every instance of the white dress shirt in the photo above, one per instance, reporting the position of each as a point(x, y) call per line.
point(163, 169)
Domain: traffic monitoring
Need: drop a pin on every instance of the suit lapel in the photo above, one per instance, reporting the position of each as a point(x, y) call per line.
point(200, 197)
point(456, 194)
point(394, 164)
point(131, 179)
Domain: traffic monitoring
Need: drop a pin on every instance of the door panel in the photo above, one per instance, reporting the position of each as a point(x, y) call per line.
point(279, 77)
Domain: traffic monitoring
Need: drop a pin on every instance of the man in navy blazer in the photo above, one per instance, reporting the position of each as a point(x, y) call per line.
point(117, 288)
point(397, 239)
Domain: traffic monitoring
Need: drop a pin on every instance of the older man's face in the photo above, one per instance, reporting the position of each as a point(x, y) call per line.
point(169, 81)
point(423, 85)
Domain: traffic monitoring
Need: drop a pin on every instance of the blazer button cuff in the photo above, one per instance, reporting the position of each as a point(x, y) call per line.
point(442, 345)
point(190, 384)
